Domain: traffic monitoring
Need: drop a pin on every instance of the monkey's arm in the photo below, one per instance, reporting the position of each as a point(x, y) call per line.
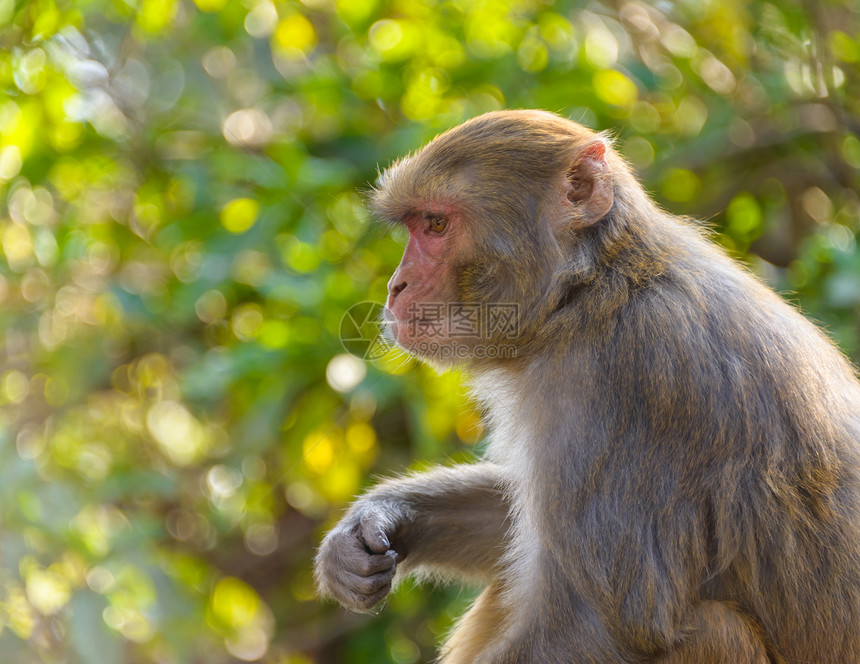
point(450, 521)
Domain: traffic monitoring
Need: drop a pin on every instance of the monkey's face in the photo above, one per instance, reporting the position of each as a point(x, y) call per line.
point(423, 314)
point(493, 208)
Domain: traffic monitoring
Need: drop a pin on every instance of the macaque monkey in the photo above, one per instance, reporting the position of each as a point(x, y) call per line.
point(672, 467)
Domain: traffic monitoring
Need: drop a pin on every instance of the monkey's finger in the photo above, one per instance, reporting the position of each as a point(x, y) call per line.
point(367, 565)
point(368, 585)
point(374, 538)
point(367, 602)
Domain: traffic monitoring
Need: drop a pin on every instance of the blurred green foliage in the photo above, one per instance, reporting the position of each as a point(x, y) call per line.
point(182, 227)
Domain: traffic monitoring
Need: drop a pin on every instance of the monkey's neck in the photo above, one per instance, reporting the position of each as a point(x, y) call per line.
point(602, 268)
point(500, 392)
point(533, 412)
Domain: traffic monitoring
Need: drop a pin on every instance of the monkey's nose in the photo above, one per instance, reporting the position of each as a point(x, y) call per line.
point(394, 291)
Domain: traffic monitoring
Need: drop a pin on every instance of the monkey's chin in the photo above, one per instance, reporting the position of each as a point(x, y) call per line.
point(437, 350)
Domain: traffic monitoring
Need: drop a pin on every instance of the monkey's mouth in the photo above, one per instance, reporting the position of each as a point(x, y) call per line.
point(388, 325)
point(387, 319)
point(390, 318)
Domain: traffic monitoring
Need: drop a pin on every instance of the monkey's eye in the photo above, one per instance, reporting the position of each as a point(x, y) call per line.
point(436, 223)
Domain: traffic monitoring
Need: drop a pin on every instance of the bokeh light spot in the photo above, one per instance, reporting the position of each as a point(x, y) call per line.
point(344, 372)
point(210, 5)
point(743, 214)
point(295, 34)
point(239, 214)
point(680, 185)
point(614, 88)
point(178, 433)
point(318, 451)
point(385, 35)
point(601, 48)
point(47, 591)
point(234, 603)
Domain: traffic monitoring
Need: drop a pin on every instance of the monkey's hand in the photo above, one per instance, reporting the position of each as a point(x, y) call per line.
point(356, 562)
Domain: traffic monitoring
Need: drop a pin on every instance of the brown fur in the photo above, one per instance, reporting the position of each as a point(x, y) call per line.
point(672, 469)
point(720, 632)
point(477, 629)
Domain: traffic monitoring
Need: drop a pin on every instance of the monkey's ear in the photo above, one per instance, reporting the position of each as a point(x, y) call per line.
point(589, 185)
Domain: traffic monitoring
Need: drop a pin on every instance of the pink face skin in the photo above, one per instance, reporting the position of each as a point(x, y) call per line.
point(423, 284)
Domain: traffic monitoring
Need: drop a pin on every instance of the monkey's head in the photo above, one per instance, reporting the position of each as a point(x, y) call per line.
point(498, 211)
